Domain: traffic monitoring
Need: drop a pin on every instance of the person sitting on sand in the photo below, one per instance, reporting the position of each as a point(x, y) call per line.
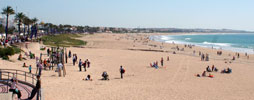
point(229, 70)
point(233, 58)
point(213, 68)
point(20, 57)
point(198, 75)
point(208, 69)
point(88, 78)
point(204, 74)
point(24, 65)
point(105, 76)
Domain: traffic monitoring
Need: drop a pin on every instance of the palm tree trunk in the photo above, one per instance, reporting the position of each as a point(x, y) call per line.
point(24, 29)
point(28, 30)
point(19, 28)
point(6, 27)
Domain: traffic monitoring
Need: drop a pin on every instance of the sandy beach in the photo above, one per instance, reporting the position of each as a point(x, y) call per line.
point(176, 80)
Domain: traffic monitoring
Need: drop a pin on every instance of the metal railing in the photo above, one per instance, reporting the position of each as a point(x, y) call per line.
point(22, 76)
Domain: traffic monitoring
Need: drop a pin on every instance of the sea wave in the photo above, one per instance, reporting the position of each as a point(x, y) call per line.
point(217, 44)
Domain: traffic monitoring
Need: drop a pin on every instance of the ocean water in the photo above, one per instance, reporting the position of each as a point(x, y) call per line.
point(237, 42)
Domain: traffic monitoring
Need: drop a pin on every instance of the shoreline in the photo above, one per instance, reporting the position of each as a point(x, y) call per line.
point(209, 46)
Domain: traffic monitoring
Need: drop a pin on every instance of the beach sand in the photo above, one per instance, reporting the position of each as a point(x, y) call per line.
point(175, 81)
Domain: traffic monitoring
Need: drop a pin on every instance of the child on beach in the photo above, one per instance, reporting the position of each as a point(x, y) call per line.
point(24, 65)
point(30, 68)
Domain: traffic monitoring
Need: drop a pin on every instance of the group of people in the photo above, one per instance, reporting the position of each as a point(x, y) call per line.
point(105, 75)
point(208, 69)
point(13, 39)
point(155, 64)
point(85, 64)
point(228, 71)
point(213, 69)
point(204, 57)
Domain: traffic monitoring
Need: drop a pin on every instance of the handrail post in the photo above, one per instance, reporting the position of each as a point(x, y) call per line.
point(25, 76)
point(8, 82)
point(0, 74)
point(33, 79)
point(17, 74)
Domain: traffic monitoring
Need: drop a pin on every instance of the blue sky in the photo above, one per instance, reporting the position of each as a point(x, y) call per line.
point(231, 14)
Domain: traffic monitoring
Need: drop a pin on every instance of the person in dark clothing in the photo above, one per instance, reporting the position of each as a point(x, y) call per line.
point(161, 61)
point(80, 65)
point(88, 63)
point(84, 64)
point(122, 71)
point(48, 51)
point(36, 89)
point(105, 76)
point(69, 53)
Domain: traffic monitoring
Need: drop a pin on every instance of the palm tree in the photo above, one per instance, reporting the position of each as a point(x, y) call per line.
point(34, 20)
point(7, 11)
point(19, 17)
point(27, 21)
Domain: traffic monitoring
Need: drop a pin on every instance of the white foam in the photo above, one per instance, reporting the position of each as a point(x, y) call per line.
point(187, 38)
point(217, 44)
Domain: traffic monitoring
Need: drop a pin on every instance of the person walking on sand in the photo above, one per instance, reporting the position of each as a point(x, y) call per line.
point(40, 68)
point(69, 53)
point(48, 51)
point(74, 60)
point(122, 71)
point(161, 61)
point(84, 64)
point(80, 65)
point(59, 68)
point(88, 63)
point(36, 89)
point(14, 88)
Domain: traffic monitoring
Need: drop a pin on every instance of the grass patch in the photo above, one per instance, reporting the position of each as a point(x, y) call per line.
point(65, 40)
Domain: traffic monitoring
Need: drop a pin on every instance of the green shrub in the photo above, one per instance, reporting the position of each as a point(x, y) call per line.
point(6, 52)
